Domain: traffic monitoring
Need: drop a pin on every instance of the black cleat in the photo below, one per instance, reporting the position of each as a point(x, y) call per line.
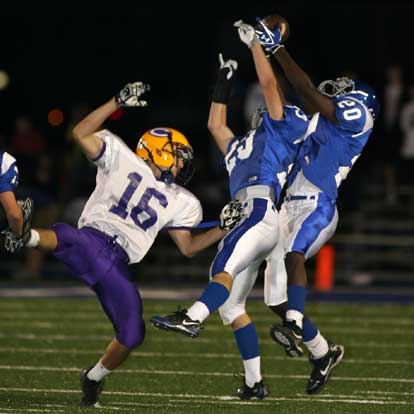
point(323, 366)
point(178, 322)
point(288, 335)
point(90, 389)
point(259, 391)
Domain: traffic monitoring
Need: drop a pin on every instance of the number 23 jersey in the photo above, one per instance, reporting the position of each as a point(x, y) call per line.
point(130, 203)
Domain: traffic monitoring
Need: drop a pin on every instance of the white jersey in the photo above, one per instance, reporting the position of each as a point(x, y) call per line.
point(131, 204)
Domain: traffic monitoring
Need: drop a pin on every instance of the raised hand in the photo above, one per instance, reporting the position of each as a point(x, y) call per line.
point(131, 93)
point(246, 33)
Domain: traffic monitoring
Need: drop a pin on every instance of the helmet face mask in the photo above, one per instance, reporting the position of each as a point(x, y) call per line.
point(257, 117)
point(167, 148)
point(337, 87)
point(359, 90)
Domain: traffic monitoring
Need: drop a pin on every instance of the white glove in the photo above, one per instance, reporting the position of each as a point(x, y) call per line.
point(246, 33)
point(130, 94)
point(231, 215)
point(229, 64)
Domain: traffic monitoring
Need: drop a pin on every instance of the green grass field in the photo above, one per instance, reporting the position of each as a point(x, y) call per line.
point(44, 343)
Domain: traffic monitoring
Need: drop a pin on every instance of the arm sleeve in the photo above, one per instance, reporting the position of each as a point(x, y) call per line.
point(353, 116)
point(9, 178)
point(189, 213)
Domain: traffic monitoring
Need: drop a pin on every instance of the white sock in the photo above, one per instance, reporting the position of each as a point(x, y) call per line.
point(98, 372)
point(252, 371)
point(34, 239)
point(318, 346)
point(198, 311)
point(294, 315)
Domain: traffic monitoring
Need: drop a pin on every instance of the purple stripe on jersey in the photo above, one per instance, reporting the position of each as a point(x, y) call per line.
point(101, 153)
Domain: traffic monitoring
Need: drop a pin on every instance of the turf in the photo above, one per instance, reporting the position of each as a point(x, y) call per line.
point(44, 343)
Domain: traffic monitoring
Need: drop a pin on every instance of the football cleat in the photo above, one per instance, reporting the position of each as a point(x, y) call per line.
point(259, 391)
point(288, 335)
point(178, 322)
point(90, 389)
point(323, 366)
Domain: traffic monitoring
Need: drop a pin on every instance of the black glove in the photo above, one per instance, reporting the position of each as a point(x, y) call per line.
point(224, 80)
point(231, 215)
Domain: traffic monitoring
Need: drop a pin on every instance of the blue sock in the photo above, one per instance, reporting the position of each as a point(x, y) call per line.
point(296, 298)
point(214, 296)
point(309, 330)
point(247, 341)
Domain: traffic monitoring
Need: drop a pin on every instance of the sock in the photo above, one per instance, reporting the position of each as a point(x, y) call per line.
point(34, 239)
point(296, 298)
point(98, 372)
point(248, 344)
point(214, 296)
point(296, 304)
point(309, 330)
point(318, 346)
point(297, 317)
point(252, 371)
point(198, 311)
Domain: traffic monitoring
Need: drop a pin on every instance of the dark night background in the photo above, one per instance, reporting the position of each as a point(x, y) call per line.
point(59, 56)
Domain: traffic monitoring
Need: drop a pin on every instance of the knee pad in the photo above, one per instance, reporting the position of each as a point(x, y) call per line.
point(132, 334)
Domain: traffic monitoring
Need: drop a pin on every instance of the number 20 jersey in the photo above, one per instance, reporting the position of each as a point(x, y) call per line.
point(130, 203)
point(331, 149)
point(265, 155)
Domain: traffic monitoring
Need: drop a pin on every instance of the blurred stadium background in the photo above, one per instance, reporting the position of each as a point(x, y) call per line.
point(57, 66)
point(54, 68)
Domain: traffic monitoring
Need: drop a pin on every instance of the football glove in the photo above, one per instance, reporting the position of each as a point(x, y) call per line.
point(225, 78)
point(229, 66)
point(246, 33)
point(130, 94)
point(10, 242)
point(269, 39)
point(231, 215)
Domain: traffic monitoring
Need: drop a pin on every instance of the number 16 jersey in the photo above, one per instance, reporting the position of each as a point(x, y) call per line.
point(129, 202)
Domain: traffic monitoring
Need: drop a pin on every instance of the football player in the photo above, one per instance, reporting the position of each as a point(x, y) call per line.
point(344, 113)
point(257, 163)
point(18, 212)
point(136, 195)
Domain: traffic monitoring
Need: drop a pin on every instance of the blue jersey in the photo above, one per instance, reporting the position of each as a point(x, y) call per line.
point(331, 149)
point(264, 156)
point(9, 175)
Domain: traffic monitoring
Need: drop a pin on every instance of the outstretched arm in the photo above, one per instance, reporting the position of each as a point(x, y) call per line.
point(190, 244)
point(84, 131)
point(217, 120)
point(13, 212)
point(267, 79)
point(313, 99)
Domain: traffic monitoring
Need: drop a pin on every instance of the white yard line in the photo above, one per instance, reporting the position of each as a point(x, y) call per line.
point(106, 327)
point(219, 398)
point(173, 338)
point(212, 355)
point(198, 373)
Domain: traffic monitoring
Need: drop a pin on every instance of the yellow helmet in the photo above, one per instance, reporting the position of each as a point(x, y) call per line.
point(164, 147)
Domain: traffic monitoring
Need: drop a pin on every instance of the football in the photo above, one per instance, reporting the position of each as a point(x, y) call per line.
point(273, 20)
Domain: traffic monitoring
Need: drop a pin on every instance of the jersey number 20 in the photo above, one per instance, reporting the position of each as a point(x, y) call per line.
point(142, 206)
